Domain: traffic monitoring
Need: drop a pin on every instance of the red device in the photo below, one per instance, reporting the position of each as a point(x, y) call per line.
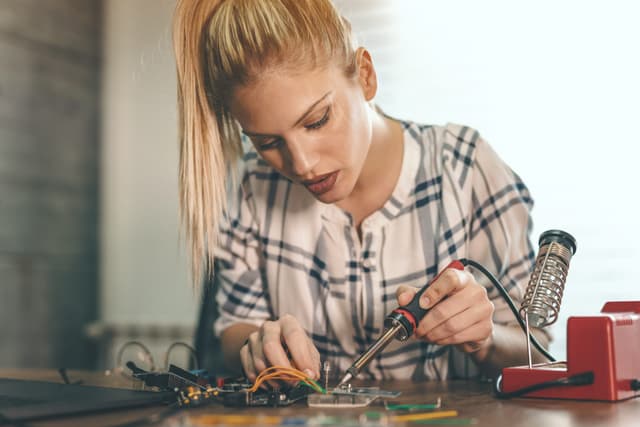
point(607, 345)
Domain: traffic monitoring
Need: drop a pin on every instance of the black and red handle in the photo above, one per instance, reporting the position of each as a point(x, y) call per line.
point(410, 315)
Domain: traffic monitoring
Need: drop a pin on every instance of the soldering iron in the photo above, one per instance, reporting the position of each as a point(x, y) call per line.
point(399, 324)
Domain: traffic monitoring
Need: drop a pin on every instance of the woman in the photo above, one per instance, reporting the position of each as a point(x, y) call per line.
point(341, 212)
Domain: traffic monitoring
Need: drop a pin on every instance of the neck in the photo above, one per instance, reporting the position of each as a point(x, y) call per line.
point(384, 159)
point(380, 171)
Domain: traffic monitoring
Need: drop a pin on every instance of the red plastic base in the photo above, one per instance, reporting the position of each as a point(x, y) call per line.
point(607, 345)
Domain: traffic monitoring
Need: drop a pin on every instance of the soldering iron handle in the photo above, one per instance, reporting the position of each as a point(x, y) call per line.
point(412, 311)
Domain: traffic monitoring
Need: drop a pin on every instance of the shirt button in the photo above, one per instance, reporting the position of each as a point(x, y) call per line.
point(367, 263)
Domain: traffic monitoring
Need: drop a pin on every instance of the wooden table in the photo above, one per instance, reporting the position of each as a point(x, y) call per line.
point(472, 400)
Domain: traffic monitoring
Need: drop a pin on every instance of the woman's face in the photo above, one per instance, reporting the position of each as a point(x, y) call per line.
point(313, 127)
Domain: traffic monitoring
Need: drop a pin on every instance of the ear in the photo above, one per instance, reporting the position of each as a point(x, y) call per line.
point(366, 73)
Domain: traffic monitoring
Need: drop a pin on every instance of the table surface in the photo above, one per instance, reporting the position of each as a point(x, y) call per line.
point(471, 399)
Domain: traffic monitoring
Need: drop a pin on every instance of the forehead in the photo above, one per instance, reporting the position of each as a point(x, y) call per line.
point(280, 96)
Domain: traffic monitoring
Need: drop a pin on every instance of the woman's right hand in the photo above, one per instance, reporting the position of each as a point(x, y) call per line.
point(282, 342)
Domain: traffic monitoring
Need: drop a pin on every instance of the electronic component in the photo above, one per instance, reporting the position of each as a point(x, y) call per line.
point(272, 397)
point(326, 371)
point(175, 378)
point(195, 389)
point(413, 406)
point(347, 397)
point(365, 391)
point(339, 401)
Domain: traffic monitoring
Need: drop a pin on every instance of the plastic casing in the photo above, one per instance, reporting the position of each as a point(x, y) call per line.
point(607, 345)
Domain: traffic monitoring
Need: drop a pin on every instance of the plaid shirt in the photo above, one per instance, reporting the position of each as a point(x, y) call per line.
point(282, 251)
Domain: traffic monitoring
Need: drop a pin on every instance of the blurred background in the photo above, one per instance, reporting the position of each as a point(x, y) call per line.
point(90, 255)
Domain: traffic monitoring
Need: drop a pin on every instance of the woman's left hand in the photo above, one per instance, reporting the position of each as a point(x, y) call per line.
point(460, 312)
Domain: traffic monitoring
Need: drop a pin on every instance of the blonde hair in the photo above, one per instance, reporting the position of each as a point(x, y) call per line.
point(220, 45)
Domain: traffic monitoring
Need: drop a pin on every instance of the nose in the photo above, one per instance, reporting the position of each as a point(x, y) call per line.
point(301, 158)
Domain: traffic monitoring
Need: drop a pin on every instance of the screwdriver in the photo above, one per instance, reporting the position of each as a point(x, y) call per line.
point(399, 324)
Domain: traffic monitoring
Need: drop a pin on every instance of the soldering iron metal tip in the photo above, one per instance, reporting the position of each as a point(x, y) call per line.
point(347, 377)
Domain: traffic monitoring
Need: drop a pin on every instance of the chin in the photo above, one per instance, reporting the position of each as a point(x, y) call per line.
point(328, 198)
point(335, 195)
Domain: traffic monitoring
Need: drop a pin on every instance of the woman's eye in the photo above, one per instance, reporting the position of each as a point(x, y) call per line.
point(270, 144)
point(319, 123)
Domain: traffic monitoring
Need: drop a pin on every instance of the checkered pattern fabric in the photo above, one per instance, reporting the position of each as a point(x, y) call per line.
point(282, 251)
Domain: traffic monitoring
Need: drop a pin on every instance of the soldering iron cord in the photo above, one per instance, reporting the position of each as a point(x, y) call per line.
point(505, 295)
point(584, 378)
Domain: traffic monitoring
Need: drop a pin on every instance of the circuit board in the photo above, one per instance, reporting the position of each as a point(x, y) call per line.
point(349, 397)
point(195, 390)
point(273, 397)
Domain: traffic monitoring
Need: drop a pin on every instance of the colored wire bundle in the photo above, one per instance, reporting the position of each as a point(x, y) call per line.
point(285, 374)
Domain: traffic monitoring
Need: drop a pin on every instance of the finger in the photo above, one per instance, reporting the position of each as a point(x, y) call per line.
point(247, 363)
point(272, 347)
point(270, 338)
point(450, 281)
point(315, 356)
point(257, 355)
point(462, 300)
point(298, 343)
point(458, 323)
point(472, 337)
point(404, 294)
point(476, 346)
point(314, 371)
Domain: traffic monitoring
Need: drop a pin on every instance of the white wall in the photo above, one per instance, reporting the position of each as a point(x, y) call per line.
point(144, 276)
point(554, 87)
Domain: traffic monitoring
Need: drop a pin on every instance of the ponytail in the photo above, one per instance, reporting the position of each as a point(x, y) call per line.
point(203, 158)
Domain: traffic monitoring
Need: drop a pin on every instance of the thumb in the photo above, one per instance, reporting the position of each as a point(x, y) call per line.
point(405, 293)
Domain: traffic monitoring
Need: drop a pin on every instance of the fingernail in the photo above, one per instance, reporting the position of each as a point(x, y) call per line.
point(426, 301)
point(309, 373)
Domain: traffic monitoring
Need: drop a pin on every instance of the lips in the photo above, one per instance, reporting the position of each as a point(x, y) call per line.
point(321, 184)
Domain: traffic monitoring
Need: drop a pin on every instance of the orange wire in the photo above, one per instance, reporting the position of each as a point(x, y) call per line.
point(280, 373)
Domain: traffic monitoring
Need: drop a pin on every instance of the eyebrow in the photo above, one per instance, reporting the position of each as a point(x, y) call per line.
point(306, 113)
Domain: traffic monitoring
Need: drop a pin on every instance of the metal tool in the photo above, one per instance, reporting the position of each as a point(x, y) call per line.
point(399, 324)
point(546, 285)
point(543, 296)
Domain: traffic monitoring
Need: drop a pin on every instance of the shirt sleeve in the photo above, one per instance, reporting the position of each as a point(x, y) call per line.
point(500, 226)
point(241, 296)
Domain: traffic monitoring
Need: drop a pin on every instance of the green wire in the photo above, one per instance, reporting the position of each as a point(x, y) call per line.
point(320, 388)
point(314, 386)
